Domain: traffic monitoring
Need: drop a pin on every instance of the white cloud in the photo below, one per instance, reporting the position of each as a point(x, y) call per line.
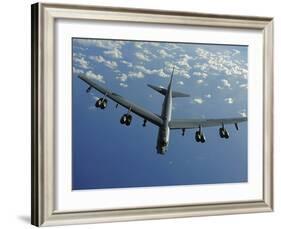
point(202, 66)
point(145, 47)
point(110, 64)
point(171, 46)
point(115, 53)
point(123, 85)
point(203, 54)
point(200, 81)
point(95, 76)
point(183, 61)
point(81, 62)
point(226, 83)
point(164, 54)
point(159, 72)
point(181, 71)
point(169, 66)
point(180, 82)
point(198, 101)
point(221, 62)
point(106, 44)
point(149, 53)
point(229, 100)
point(235, 52)
point(122, 78)
point(80, 48)
point(154, 44)
point(200, 74)
point(78, 54)
point(137, 75)
point(142, 56)
point(208, 96)
point(129, 64)
point(77, 71)
point(107, 63)
point(139, 44)
point(243, 113)
point(98, 59)
point(243, 86)
point(145, 70)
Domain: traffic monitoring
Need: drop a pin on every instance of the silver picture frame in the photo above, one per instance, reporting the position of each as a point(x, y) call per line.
point(43, 109)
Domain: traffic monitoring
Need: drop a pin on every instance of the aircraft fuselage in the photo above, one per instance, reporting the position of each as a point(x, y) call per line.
point(166, 115)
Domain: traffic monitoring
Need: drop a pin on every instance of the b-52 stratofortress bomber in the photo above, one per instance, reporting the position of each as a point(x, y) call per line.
point(164, 122)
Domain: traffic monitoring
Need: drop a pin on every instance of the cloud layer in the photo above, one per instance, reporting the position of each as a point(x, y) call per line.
point(215, 72)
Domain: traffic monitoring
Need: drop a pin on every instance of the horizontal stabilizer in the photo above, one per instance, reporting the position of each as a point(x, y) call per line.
point(163, 91)
point(176, 94)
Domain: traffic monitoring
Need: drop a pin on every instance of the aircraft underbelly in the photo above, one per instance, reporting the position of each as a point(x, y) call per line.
point(163, 140)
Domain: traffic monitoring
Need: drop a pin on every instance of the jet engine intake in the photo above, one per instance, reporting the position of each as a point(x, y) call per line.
point(200, 137)
point(126, 119)
point(223, 133)
point(101, 103)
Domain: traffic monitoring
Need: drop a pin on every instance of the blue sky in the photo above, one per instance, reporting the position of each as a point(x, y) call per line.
point(109, 155)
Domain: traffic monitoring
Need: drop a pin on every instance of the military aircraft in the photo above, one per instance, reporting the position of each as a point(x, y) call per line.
point(163, 121)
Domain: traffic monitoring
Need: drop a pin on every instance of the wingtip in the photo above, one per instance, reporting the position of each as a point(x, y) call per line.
point(82, 77)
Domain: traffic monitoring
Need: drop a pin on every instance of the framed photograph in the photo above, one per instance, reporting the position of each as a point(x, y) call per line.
point(144, 114)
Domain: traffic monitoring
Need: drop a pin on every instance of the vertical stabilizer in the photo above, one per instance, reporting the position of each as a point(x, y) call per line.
point(171, 80)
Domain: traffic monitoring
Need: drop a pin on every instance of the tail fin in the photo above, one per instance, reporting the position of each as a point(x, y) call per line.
point(172, 76)
point(163, 91)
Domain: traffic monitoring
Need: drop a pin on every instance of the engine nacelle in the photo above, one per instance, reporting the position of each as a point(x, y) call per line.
point(223, 133)
point(200, 137)
point(101, 103)
point(98, 103)
point(126, 119)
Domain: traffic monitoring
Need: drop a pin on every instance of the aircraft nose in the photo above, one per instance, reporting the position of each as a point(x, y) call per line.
point(161, 150)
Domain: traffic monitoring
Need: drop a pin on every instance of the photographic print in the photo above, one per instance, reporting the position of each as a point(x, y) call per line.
point(144, 114)
point(147, 113)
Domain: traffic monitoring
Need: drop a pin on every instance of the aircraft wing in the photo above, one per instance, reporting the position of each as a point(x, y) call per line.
point(195, 123)
point(142, 112)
